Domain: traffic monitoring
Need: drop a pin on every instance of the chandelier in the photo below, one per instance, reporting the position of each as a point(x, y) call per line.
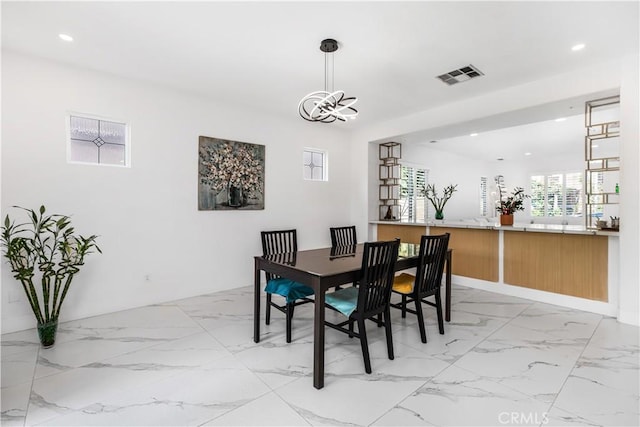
point(328, 106)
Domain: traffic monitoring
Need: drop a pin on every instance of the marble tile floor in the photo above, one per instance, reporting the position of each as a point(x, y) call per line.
point(502, 361)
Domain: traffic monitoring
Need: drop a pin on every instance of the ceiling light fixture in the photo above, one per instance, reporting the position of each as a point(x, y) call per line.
point(473, 134)
point(65, 37)
point(324, 106)
point(561, 119)
point(527, 154)
point(578, 47)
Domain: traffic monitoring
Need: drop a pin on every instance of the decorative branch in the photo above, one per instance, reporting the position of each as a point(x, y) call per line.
point(438, 202)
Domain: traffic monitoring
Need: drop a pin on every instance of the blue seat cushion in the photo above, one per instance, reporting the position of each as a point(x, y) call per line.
point(344, 300)
point(288, 288)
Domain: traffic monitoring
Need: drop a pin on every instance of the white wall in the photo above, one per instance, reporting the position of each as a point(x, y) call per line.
point(630, 192)
point(465, 202)
point(147, 216)
point(621, 74)
point(467, 172)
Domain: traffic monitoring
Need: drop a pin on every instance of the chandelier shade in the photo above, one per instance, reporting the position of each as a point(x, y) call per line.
point(328, 105)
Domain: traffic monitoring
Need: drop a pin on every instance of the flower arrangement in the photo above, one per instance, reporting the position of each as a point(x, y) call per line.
point(508, 204)
point(438, 202)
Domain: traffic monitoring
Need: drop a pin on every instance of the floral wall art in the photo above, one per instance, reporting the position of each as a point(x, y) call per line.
point(230, 175)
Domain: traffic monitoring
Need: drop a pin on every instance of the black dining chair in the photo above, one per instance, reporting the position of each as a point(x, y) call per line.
point(343, 239)
point(426, 282)
point(370, 299)
point(343, 236)
point(283, 246)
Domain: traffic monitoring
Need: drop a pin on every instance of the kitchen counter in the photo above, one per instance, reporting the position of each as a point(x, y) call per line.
point(531, 260)
point(540, 228)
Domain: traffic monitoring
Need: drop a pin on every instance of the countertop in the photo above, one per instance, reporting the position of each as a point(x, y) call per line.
point(536, 228)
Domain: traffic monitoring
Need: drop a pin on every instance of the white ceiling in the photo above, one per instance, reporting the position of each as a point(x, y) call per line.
point(265, 55)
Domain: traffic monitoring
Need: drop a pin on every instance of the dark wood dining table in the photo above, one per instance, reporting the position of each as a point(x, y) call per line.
point(323, 269)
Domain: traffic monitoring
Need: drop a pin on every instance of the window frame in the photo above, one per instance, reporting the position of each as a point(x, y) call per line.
point(325, 164)
point(545, 195)
point(416, 199)
point(127, 143)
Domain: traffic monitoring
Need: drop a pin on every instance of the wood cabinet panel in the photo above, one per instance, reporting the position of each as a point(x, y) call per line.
point(406, 233)
point(475, 252)
point(567, 264)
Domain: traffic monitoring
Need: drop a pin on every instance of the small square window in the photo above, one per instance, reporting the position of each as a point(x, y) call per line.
point(314, 165)
point(98, 141)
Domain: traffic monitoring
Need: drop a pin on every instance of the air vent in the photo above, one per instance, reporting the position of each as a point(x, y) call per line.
point(461, 75)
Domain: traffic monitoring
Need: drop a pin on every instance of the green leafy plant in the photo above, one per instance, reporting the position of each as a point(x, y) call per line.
point(46, 250)
point(438, 202)
point(508, 204)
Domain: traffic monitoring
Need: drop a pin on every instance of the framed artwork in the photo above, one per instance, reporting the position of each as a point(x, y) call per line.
point(230, 175)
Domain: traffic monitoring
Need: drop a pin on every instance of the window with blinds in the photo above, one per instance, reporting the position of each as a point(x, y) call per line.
point(413, 206)
point(557, 195)
point(484, 209)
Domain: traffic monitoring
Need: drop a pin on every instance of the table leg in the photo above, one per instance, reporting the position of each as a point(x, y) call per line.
point(318, 336)
point(256, 302)
point(447, 303)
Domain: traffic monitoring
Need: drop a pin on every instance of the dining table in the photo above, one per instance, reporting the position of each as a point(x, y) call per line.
point(323, 269)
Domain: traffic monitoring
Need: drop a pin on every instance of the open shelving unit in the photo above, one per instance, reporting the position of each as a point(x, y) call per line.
point(602, 156)
point(390, 154)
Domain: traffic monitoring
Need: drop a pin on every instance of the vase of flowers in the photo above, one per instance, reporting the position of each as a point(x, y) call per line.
point(510, 203)
point(48, 251)
point(438, 202)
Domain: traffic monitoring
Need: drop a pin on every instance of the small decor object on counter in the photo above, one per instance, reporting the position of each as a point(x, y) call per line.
point(508, 204)
point(438, 202)
point(615, 222)
point(388, 215)
point(46, 249)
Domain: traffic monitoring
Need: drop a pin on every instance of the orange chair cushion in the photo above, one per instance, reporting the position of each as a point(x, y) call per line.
point(403, 283)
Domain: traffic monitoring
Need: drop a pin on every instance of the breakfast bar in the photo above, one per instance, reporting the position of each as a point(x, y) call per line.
point(559, 264)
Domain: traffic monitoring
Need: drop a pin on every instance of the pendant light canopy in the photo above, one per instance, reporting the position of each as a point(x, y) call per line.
point(328, 105)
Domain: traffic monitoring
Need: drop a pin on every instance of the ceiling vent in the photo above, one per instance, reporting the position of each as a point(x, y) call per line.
point(461, 75)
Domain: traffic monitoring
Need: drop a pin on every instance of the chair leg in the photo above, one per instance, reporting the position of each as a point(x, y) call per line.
point(380, 320)
point(423, 333)
point(404, 306)
point(387, 327)
point(289, 315)
point(439, 310)
point(350, 328)
point(365, 346)
point(267, 318)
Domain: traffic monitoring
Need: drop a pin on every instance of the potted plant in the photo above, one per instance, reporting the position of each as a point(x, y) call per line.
point(508, 204)
point(45, 250)
point(438, 202)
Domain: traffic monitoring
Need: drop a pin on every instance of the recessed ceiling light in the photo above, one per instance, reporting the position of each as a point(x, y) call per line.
point(500, 158)
point(527, 154)
point(578, 47)
point(595, 146)
point(561, 119)
point(433, 141)
point(65, 37)
point(473, 134)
